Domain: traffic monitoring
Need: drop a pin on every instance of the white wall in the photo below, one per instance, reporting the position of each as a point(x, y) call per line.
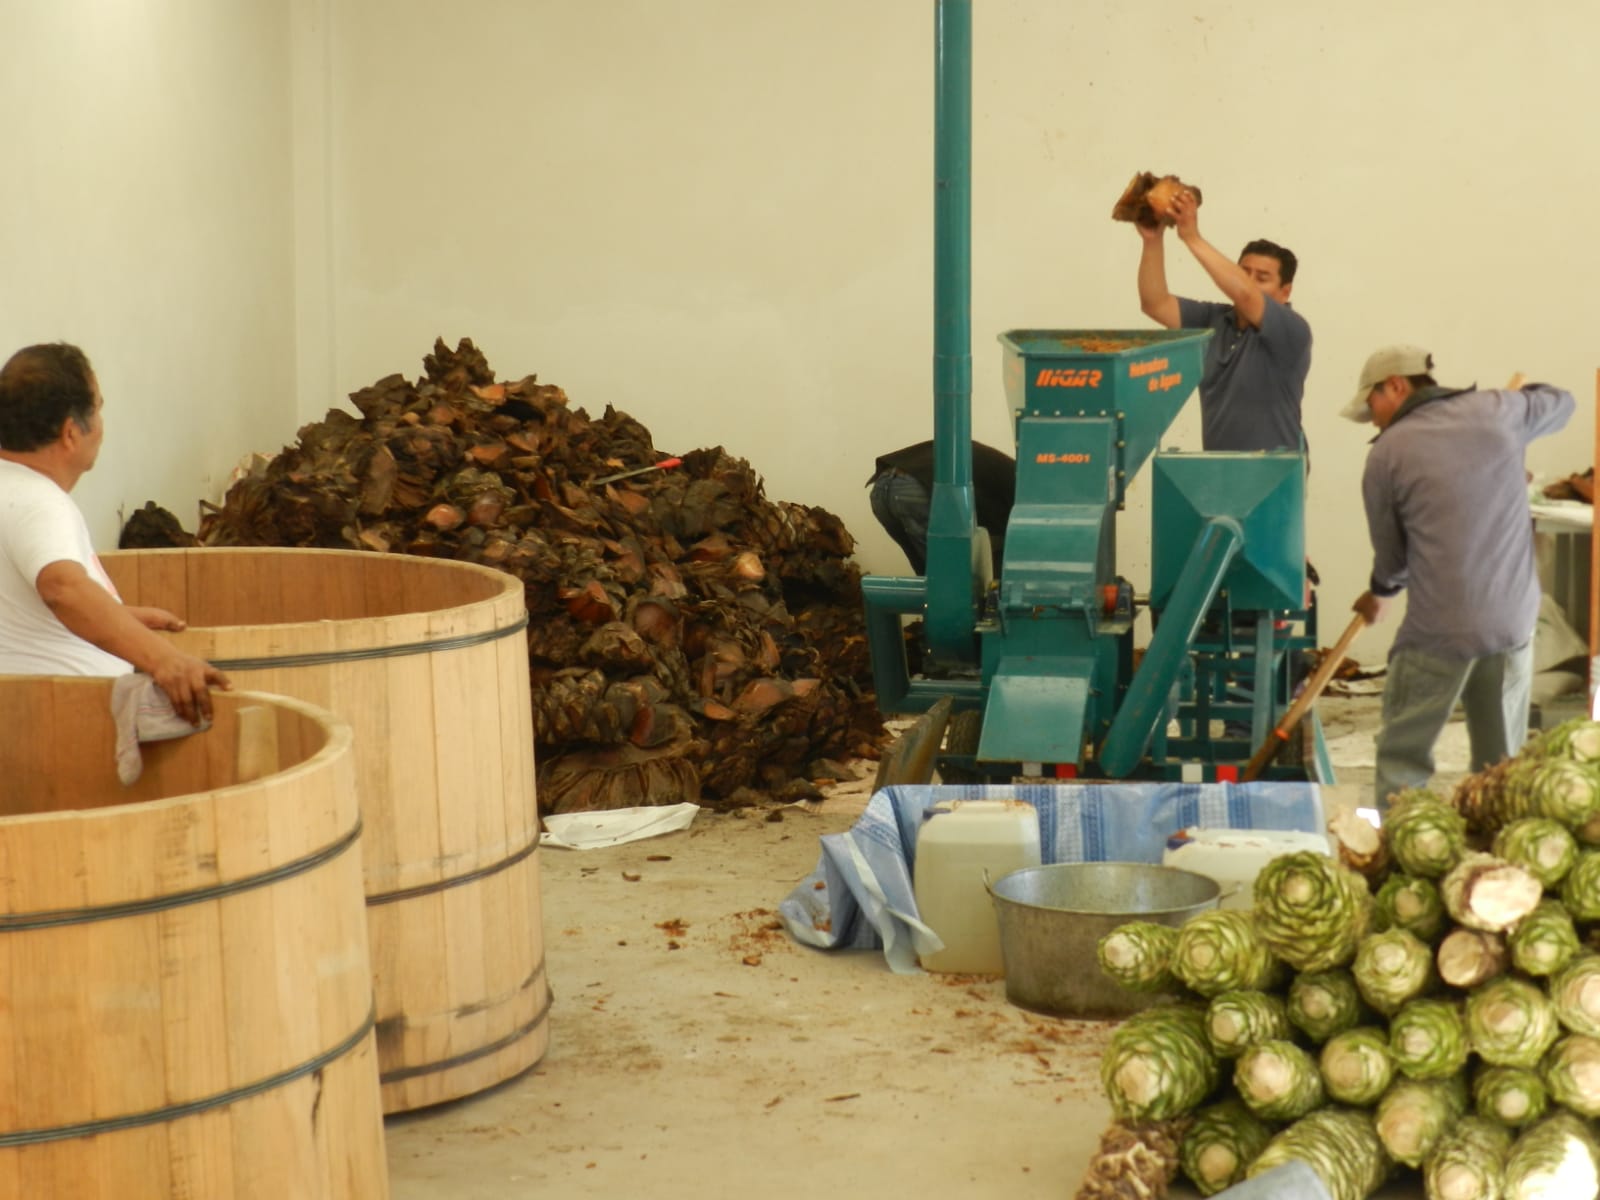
point(717, 214)
point(144, 215)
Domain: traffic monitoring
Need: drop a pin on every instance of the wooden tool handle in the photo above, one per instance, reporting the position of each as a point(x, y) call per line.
point(1303, 701)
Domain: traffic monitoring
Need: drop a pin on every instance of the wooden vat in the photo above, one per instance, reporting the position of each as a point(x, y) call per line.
point(427, 661)
point(186, 1005)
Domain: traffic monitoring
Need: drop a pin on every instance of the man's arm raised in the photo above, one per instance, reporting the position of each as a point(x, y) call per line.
point(1157, 302)
point(1241, 291)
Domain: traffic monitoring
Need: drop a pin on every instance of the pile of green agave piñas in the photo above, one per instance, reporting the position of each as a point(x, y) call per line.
point(1436, 1011)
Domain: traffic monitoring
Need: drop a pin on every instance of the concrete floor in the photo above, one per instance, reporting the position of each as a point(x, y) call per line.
point(698, 1052)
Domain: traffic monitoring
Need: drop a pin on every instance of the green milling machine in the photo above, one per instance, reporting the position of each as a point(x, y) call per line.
point(1039, 665)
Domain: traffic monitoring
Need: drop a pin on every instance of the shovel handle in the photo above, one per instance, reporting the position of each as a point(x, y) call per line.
point(1303, 701)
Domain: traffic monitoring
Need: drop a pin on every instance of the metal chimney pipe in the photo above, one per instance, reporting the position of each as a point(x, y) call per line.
point(952, 604)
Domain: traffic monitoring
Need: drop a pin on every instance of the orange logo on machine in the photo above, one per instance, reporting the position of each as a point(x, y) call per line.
point(1050, 458)
point(1084, 377)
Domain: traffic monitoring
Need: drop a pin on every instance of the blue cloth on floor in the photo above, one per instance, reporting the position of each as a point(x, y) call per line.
point(859, 896)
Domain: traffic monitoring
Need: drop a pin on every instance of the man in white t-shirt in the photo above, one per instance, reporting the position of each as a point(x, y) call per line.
point(59, 612)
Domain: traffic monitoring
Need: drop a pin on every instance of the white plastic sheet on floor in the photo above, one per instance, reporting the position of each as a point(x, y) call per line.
point(860, 896)
point(614, 826)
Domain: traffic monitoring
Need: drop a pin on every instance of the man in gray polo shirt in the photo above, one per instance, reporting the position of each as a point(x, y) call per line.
point(1447, 510)
point(1256, 362)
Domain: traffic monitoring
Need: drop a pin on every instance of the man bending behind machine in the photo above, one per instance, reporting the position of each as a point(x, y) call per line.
point(1447, 509)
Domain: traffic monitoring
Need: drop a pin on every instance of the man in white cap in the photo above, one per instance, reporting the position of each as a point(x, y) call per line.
point(1447, 510)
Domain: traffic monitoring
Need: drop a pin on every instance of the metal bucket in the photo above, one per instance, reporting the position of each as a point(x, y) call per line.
point(1053, 917)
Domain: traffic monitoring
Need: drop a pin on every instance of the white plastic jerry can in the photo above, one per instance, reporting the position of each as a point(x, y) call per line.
point(959, 841)
point(1234, 857)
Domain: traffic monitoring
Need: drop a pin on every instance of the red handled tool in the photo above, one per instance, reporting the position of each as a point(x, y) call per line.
point(660, 466)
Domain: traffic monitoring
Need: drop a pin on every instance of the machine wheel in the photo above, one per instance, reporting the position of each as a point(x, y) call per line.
point(961, 737)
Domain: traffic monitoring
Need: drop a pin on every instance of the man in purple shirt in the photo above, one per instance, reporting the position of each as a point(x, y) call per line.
point(1447, 510)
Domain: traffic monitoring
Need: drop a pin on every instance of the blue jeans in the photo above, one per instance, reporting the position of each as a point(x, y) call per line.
point(1419, 697)
point(901, 505)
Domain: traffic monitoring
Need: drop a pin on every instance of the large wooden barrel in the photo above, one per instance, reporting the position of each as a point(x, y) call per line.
point(427, 661)
point(185, 1005)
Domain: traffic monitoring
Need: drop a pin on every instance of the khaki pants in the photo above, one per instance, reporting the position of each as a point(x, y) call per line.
point(1419, 697)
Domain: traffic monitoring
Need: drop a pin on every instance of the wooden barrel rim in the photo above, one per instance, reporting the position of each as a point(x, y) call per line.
point(325, 657)
point(12, 922)
point(427, 889)
point(30, 1137)
point(515, 1036)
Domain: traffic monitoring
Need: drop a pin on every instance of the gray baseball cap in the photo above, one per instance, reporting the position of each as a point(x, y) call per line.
point(1391, 360)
